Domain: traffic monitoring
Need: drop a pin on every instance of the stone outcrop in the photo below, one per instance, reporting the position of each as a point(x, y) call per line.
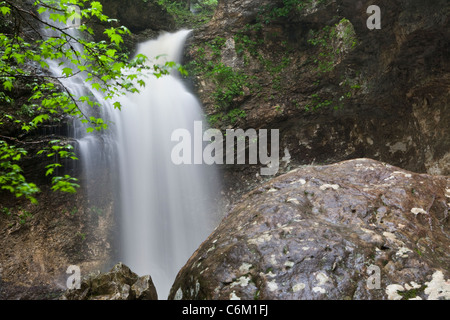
point(358, 229)
point(145, 19)
point(138, 15)
point(39, 242)
point(118, 284)
point(334, 88)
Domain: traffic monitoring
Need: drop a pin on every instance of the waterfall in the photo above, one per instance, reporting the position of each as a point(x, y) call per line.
point(164, 209)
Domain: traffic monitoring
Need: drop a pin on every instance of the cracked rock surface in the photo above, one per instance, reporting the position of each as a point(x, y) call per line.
point(359, 229)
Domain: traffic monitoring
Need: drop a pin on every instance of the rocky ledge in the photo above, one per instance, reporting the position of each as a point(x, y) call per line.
point(358, 229)
point(118, 284)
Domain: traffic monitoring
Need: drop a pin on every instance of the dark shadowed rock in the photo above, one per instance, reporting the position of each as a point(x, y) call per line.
point(384, 94)
point(145, 19)
point(138, 15)
point(118, 284)
point(323, 232)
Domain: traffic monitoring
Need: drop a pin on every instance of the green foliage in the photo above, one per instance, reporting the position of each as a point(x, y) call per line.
point(317, 103)
point(249, 41)
point(412, 293)
point(65, 183)
point(332, 41)
point(322, 39)
point(103, 67)
point(270, 13)
point(247, 45)
point(82, 235)
point(60, 151)
point(18, 215)
point(11, 177)
point(184, 17)
point(232, 116)
point(24, 62)
point(24, 216)
point(348, 33)
point(348, 86)
point(229, 83)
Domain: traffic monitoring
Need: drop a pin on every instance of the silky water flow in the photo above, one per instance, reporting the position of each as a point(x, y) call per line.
point(165, 210)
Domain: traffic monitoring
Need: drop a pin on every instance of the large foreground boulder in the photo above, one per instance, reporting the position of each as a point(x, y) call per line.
point(118, 284)
point(359, 229)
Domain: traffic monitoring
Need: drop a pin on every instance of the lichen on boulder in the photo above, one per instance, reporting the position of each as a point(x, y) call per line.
point(322, 232)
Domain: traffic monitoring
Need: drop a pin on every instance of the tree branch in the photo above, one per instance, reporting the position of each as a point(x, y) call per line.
point(29, 142)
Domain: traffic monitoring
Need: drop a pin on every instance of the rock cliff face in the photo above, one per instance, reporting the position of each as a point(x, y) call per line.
point(337, 91)
point(334, 88)
point(39, 242)
point(359, 229)
point(138, 15)
point(145, 19)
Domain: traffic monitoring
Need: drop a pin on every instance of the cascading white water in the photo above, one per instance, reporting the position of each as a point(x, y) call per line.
point(164, 208)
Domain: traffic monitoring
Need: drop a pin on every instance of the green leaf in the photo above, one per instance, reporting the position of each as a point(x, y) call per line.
point(96, 86)
point(41, 10)
point(40, 119)
point(57, 17)
point(65, 184)
point(67, 72)
point(95, 5)
point(26, 127)
point(183, 71)
point(111, 52)
point(5, 10)
point(8, 85)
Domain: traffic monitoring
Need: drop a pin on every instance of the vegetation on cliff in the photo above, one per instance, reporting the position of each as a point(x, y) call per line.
point(189, 13)
point(33, 39)
point(336, 90)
